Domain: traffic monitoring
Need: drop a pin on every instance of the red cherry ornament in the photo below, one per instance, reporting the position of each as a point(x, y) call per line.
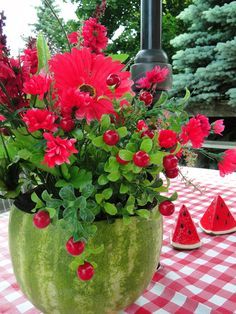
point(170, 162)
point(41, 219)
point(85, 271)
point(146, 97)
point(75, 248)
point(172, 173)
point(120, 160)
point(141, 159)
point(111, 137)
point(113, 80)
point(148, 133)
point(166, 208)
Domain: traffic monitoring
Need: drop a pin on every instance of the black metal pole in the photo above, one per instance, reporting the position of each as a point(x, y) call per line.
point(151, 53)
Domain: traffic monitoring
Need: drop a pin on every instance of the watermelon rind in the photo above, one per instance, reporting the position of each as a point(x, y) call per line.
point(185, 246)
point(212, 232)
point(124, 268)
point(217, 219)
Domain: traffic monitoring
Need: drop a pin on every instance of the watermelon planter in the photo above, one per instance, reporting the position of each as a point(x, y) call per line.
point(218, 219)
point(124, 269)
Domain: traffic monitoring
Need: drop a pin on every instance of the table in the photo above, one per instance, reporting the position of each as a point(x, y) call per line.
point(201, 281)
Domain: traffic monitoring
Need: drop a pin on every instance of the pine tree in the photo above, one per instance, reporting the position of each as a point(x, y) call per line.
point(206, 59)
point(50, 26)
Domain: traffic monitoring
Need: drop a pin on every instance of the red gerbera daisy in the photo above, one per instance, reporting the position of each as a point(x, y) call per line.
point(37, 119)
point(83, 75)
point(58, 150)
point(94, 35)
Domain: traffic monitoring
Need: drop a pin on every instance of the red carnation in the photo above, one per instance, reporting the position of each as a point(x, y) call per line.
point(192, 131)
point(58, 150)
point(143, 82)
point(30, 60)
point(218, 126)
point(94, 35)
point(205, 125)
point(2, 118)
point(37, 85)
point(37, 119)
point(167, 138)
point(157, 74)
point(228, 162)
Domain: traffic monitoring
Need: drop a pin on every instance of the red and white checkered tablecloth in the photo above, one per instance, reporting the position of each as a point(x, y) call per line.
point(200, 281)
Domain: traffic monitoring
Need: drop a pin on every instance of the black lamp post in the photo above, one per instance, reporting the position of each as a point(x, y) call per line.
point(151, 53)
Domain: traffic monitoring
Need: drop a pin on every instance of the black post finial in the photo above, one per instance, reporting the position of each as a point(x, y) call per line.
point(151, 53)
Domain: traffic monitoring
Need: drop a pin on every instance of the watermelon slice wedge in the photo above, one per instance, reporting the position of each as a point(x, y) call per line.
point(185, 234)
point(218, 219)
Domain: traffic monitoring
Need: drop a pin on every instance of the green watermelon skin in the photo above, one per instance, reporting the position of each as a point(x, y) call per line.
point(124, 268)
point(218, 219)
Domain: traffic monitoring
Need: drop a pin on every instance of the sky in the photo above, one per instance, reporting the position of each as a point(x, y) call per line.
point(21, 13)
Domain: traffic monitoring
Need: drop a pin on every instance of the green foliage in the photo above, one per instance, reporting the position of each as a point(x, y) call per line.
point(206, 53)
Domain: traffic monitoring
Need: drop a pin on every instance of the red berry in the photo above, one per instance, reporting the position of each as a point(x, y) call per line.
point(146, 97)
point(141, 159)
point(166, 208)
point(113, 80)
point(75, 248)
point(41, 219)
point(141, 125)
point(85, 271)
point(172, 173)
point(67, 124)
point(148, 133)
point(121, 161)
point(170, 162)
point(111, 137)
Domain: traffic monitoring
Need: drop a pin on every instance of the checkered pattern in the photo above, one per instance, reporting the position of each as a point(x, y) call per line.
point(201, 281)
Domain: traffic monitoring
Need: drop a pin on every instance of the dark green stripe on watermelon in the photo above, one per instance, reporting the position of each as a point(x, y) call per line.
point(125, 267)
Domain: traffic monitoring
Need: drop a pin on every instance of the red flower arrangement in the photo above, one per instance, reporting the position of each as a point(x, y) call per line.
point(80, 134)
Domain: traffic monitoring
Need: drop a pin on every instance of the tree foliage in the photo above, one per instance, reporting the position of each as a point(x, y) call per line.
point(125, 13)
point(206, 56)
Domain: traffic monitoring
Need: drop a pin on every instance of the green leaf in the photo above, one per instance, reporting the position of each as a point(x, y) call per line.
point(132, 147)
point(123, 188)
point(67, 193)
point(174, 197)
point(110, 208)
point(146, 145)
point(126, 155)
point(87, 191)
point(105, 122)
point(81, 178)
point(144, 213)
point(120, 57)
point(43, 52)
point(122, 131)
point(52, 212)
point(24, 154)
point(86, 214)
point(77, 134)
point(114, 176)
point(37, 200)
point(111, 165)
point(126, 220)
point(65, 171)
point(107, 193)
point(98, 141)
point(102, 180)
point(99, 198)
point(157, 158)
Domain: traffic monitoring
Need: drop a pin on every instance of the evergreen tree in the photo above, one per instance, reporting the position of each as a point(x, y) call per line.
point(206, 59)
point(48, 24)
